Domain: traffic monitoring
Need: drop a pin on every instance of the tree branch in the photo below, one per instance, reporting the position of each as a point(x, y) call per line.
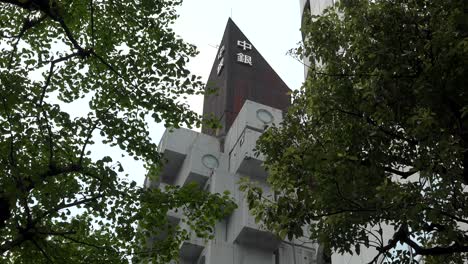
point(62, 205)
point(51, 11)
point(54, 171)
point(341, 211)
point(370, 121)
point(397, 237)
point(435, 251)
point(42, 251)
point(88, 244)
point(111, 68)
point(11, 244)
point(51, 70)
point(56, 233)
point(404, 236)
point(347, 75)
point(81, 51)
point(355, 203)
point(27, 24)
point(11, 155)
point(30, 5)
point(91, 11)
point(456, 218)
point(403, 174)
point(49, 139)
point(88, 138)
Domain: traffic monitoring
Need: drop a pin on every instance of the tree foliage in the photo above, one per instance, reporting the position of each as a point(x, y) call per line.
point(377, 137)
point(122, 65)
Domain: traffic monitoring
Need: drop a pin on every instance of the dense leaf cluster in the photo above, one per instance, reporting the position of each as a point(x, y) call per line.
point(122, 65)
point(377, 137)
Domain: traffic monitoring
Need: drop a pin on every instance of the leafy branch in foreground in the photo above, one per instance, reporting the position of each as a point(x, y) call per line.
point(377, 137)
point(118, 64)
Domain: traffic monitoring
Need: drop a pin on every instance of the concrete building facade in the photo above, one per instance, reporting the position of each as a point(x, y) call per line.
point(249, 96)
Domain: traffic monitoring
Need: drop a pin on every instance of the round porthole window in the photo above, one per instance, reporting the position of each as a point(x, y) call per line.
point(210, 161)
point(264, 116)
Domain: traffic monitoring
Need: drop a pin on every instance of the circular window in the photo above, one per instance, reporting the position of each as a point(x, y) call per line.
point(264, 116)
point(210, 161)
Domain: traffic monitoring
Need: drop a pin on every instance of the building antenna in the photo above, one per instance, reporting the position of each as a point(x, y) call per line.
point(214, 46)
point(231, 13)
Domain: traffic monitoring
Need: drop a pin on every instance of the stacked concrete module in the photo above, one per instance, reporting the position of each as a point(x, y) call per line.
point(197, 157)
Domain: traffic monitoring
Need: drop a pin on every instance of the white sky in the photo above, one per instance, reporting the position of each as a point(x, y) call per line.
point(272, 26)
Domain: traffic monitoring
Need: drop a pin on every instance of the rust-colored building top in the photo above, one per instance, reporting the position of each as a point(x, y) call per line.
point(240, 73)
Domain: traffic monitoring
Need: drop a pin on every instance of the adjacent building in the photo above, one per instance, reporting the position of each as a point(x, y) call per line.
point(312, 8)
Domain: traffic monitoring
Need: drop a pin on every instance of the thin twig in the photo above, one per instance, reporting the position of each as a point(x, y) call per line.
point(27, 24)
point(92, 22)
point(65, 205)
point(42, 251)
point(89, 244)
point(51, 70)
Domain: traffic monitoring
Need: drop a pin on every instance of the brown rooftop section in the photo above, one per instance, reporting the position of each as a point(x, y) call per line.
point(244, 75)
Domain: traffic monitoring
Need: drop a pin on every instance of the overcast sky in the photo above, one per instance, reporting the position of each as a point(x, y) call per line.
point(272, 26)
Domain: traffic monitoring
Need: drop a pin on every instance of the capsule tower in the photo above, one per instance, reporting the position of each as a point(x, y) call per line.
point(247, 96)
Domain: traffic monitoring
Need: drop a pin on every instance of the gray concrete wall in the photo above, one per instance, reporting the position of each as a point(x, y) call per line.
point(238, 239)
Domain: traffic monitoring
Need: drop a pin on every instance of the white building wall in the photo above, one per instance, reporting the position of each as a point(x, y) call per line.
point(316, 6)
